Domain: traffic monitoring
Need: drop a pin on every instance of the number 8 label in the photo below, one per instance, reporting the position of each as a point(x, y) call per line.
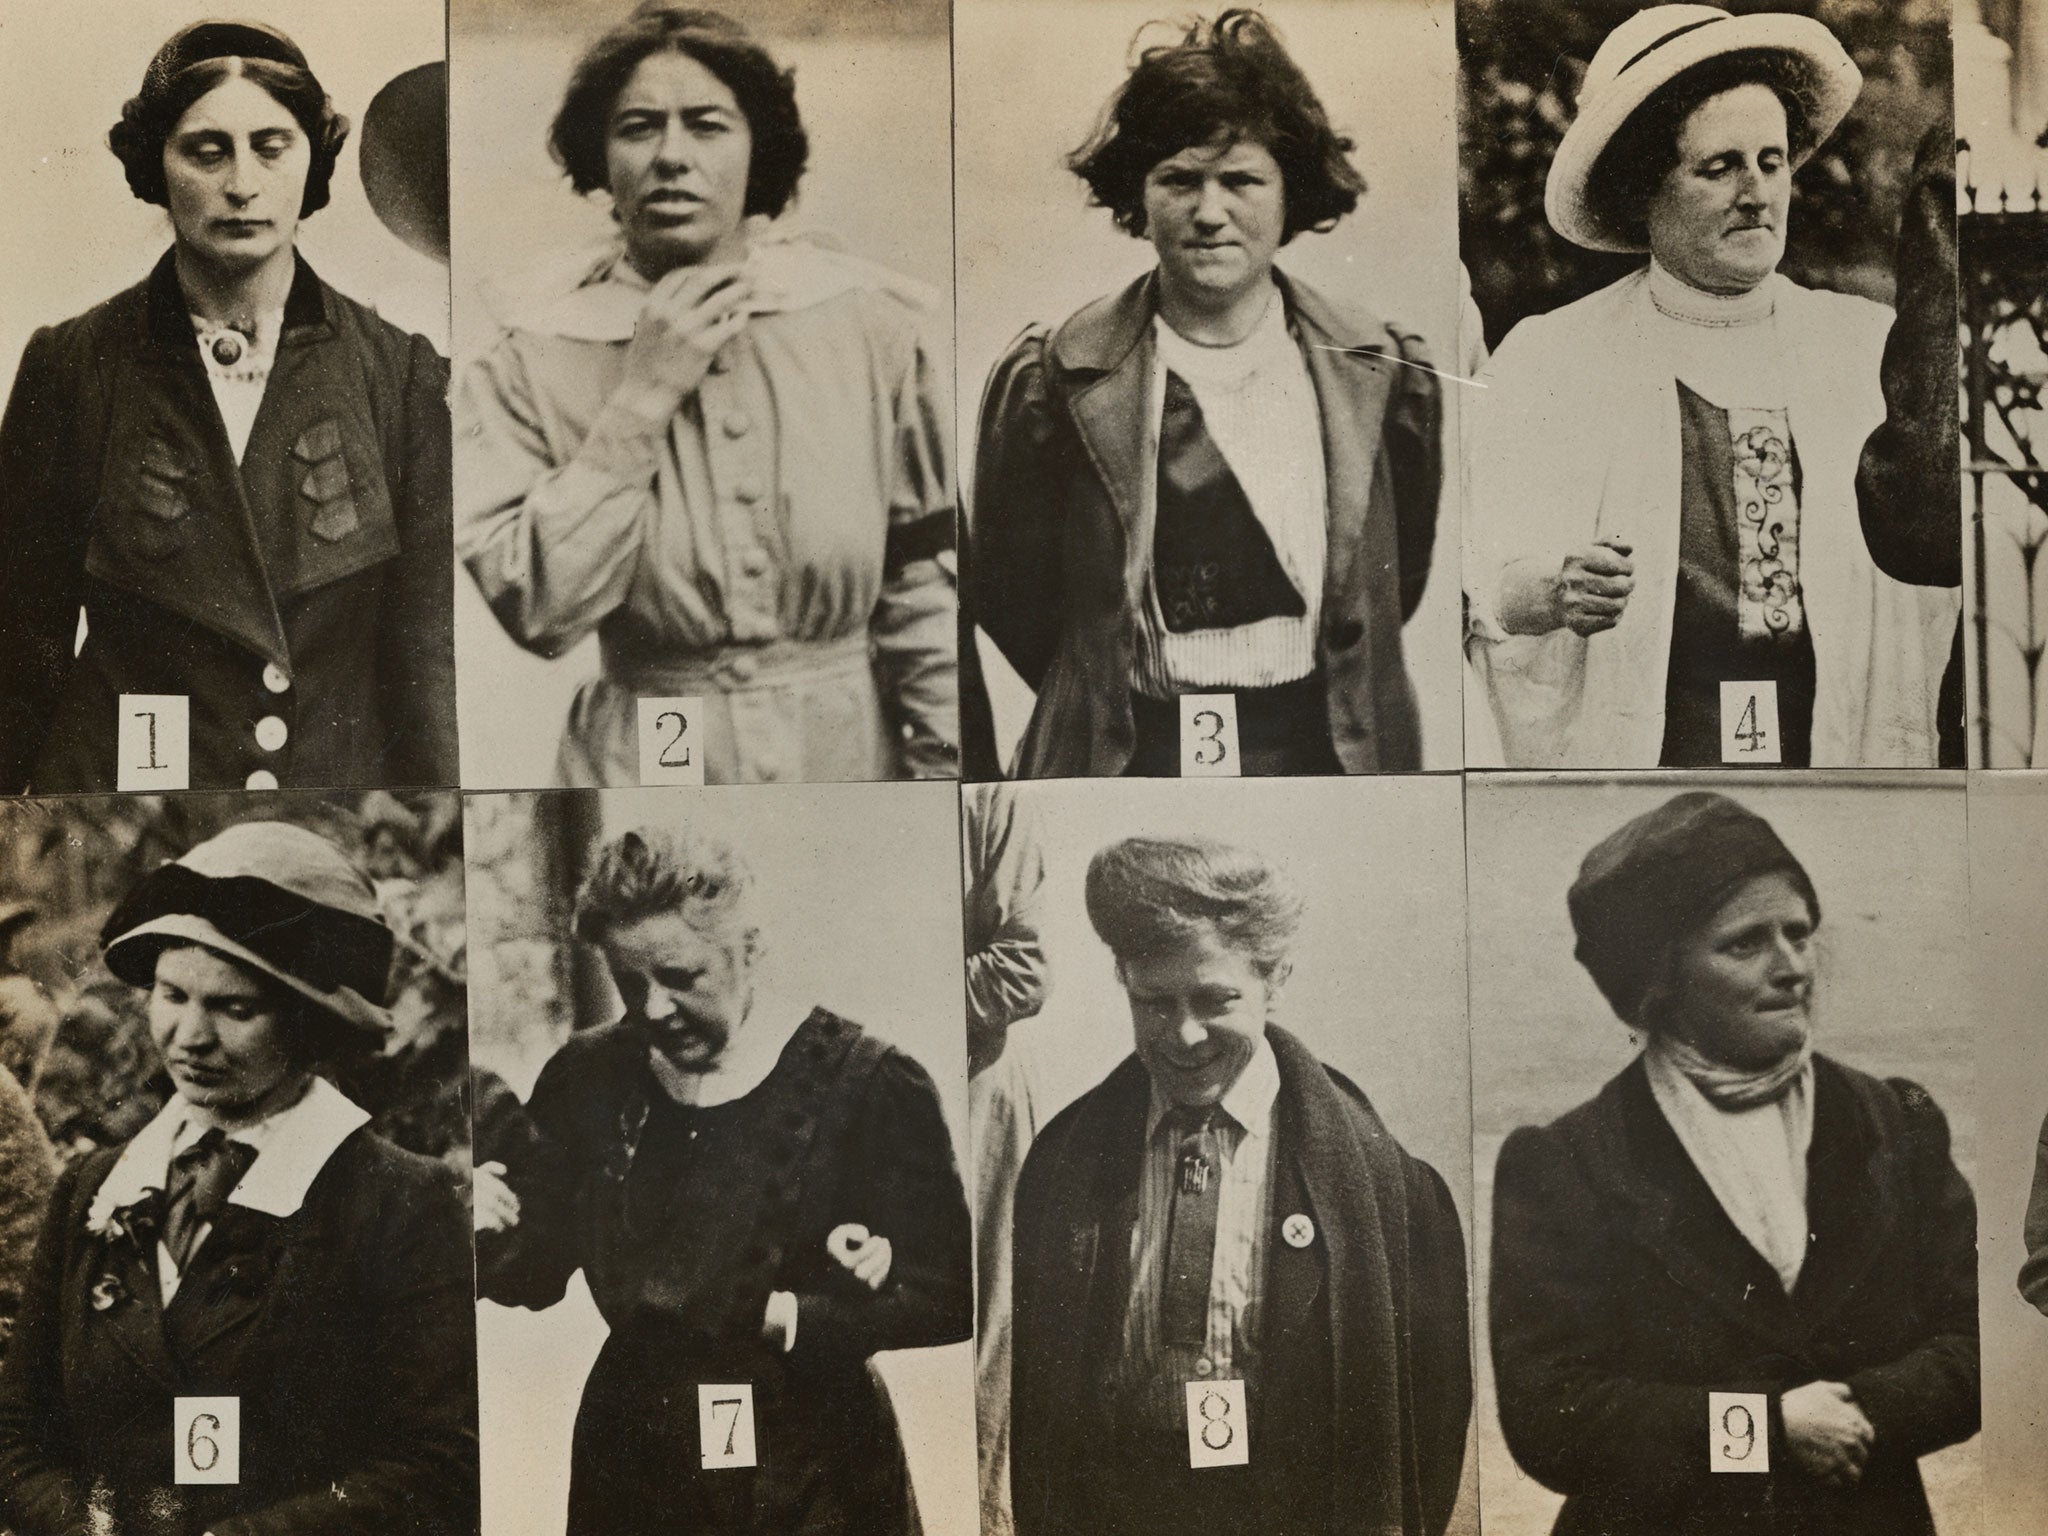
point(207, 1440)
point(1738, 1432)
point(1216, 1424)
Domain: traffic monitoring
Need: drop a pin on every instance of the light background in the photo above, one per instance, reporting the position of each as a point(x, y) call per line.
point(877, 108)
point(1033, 75)
point(1888, 859)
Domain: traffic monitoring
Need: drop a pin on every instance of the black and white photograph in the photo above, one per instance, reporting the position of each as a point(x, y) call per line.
point(723, 1245)
point(1724, 1104)
point(1711, 512)
point(704, 421)
point(1222, 1157)
point(1208, 305)
point(225, 526)
point(235, 1253)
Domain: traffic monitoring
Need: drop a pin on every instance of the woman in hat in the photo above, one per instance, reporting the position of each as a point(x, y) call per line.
point(1219, 480)
point(723, 450)
point(239, 475)
point(254, 1245)
point(1663, 509)
point(1733, 1213)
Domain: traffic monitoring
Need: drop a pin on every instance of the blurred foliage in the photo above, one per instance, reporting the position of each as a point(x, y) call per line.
point(1521, 62)
point(75, 858)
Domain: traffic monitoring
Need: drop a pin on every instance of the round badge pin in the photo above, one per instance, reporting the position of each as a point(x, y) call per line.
point(1298, 1230)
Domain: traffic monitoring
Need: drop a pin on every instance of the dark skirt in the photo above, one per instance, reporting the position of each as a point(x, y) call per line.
point(1282, 732)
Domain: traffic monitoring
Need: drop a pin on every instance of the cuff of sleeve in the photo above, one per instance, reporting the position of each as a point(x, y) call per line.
point(783, 1314)
point(623, 443)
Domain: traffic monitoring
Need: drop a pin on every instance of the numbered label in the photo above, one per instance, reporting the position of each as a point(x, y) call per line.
point(1216, 1425)
point(672, 741)
point(1738, 1432)
point(207, 1439)
point(1208, 736)
point(1749, 723)
point(154, 742)
point(725, 1425)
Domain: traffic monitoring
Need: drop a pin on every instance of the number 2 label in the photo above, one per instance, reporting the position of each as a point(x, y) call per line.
point(1208, 736)
point(1738, 1432)
point(206, 1435)
point(672, 741)
point(1216, 1425)
point(725, 1425)
point(1749, 723)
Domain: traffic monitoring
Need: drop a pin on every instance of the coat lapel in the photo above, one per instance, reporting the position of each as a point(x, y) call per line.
point(1852, 1210)
point(1107, 353)
point(135, 1321)
point(229, 1283)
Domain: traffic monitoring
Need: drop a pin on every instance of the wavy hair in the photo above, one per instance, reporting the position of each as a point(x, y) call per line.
point(1149, 895)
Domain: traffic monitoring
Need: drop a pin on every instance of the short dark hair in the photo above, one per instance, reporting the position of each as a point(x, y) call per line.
point(1644, 150)
point(1149, 895)
point(194, 61)
point(765, 91)
point(1222, 82)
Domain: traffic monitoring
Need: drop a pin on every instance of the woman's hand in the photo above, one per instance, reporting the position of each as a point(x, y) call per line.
point(1593, 586)
point(1826, 1432)
point(689, 315)
point(494, 1208)
point(865, 1255)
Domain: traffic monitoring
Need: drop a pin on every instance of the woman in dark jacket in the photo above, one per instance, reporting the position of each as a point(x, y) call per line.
point(254, 1247)
point(239, 475)
point(1731, 1214)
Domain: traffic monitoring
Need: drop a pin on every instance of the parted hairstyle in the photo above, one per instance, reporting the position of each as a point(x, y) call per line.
point(197, 59)
point(1149, 895)
point(1223, 82)
point(1644, 150)
point(666, 869)
point(765, 91)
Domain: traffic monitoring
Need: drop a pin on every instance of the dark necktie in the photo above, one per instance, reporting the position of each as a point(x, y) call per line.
point(1191, 1232)
point(201, 1179)
point(1213, 564)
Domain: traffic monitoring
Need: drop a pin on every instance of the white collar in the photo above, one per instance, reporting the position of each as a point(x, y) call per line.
point(291, 1146)
point(1676, 299)
point(1248, 1101)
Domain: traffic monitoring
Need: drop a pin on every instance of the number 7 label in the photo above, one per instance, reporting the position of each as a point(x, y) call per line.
point(725, 1425)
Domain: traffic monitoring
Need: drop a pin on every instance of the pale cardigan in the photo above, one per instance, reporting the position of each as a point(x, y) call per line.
point(1575, 437)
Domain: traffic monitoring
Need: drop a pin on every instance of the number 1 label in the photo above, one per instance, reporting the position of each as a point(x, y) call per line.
point(1216, 1425)
point(1738, 1432)
point(725, 1425)
point(153, 739)
point(1749, 723)
point(672, 741)
point(1208, 736)
point(207, 1439)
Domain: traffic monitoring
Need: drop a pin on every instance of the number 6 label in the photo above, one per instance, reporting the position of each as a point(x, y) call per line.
point(672, 741)
point(725, 1425)
point(1216, 1426)
point(1738, 1432)
point(207, 1439)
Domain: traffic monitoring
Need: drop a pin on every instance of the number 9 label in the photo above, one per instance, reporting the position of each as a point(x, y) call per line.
point(206, 1436)
point(1738, 1432)
point(1216, 1424)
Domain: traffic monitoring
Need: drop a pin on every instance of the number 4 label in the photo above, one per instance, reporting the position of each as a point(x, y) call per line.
point(725, 1425)
point(207, 1439)
point(1749, 723)
point(153, 739)
point(1216, 1425)
point(672, 741)
point(1738, 1432)
point(1208, 736)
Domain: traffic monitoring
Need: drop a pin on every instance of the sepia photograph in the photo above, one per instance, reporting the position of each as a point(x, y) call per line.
point(1208, 305)
point(1221, 1157)
point(1711, 512)
point(224, 458)
point(1724, 1105)
point(723, 1255)
point(703, 407)
point(234, 1163)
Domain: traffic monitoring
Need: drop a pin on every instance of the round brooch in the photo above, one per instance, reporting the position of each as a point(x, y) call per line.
point(227, 349)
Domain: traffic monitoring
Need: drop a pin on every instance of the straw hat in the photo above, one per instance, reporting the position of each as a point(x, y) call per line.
point(273, 897)
point(1650, 50)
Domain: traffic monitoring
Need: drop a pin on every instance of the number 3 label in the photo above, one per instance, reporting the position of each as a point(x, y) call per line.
point(725, 1425)
point(1738, 1432)
point(1208, 736)
point(207, 1439)
point(1216, 1424)
point(672, 741)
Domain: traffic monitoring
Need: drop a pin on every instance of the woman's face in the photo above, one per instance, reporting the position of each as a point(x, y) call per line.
point(678, 150)
point(1198, 1013)
point(688, 991)
point(1740, 986)
point(1215, 215)
point(220, 1029)
point(1718, 218)
point(235, 166)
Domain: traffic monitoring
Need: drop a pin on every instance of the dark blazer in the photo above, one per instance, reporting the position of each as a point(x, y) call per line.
point(327, 554)
point(346, 1329)
point(1622, 1294)
point(1366, 1348)
point(1061, 545)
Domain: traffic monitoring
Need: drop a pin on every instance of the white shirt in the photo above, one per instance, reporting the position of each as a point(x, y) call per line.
point(238, 386)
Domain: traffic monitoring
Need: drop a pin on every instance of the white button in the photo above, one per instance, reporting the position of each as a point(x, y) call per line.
point(274, 678)
point(1298, 1230)
point(754, 562)
point(748, 491)
point(720, 363)
point(262, 778)
point(271, 733)
point(1203, 1366)
point(738, 424)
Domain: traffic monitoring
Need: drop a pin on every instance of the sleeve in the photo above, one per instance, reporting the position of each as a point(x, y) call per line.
point(30, 1172)
point(1906, 484)
point(1036, 1475)
point(916, 622)
point(40, 1493)
point(530, 1265)
point(1415, 458)
point(1006, 972)
point(417, 650)
point(905, 1187)
point(2034, 1273)
point(1440, 1341)
point(42, 556)
point(1016, 520)
point(1928, 1397)
point(553, 546)
point(418, 1472)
